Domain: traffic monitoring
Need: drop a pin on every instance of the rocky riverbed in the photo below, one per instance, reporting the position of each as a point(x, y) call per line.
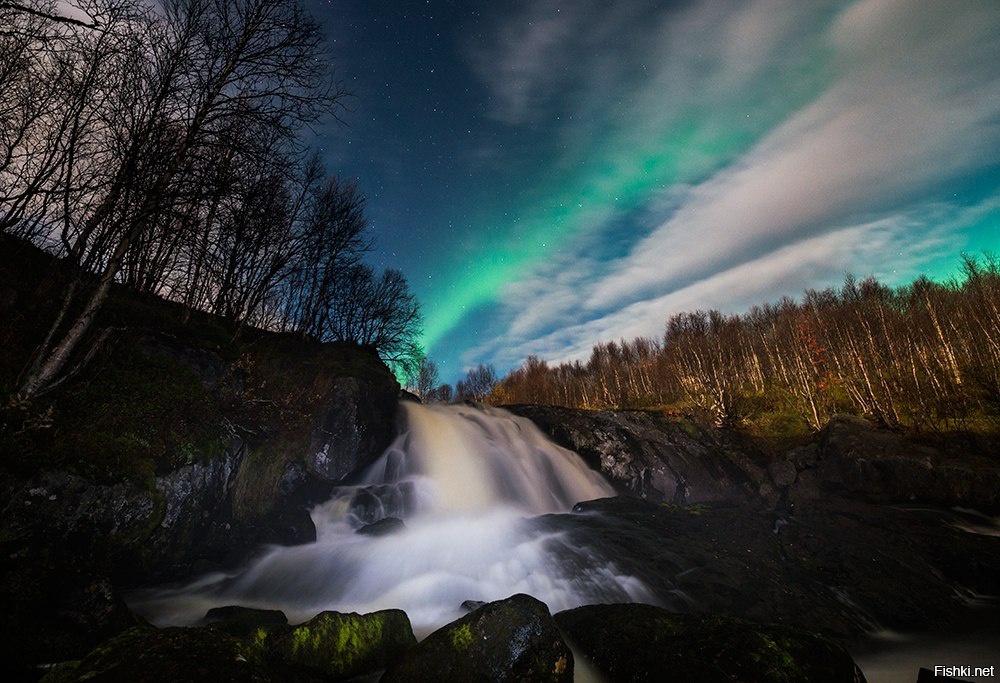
point(796, 553)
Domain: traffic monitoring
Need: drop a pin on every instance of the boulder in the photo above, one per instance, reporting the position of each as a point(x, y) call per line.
point(782, 472)
point(508, 640)
point(649, 455)
point(338, 646)
point(357, 423)
point(841, 565)
point(857, 459)
point(246, 622)
point(383, 527)
point(50, 614)
point(634, 642)
point(168, 655)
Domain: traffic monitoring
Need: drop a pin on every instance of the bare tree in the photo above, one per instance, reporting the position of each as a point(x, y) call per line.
point(379, 312)
point(477, 385)
point(331, 240)
point(426, 379)
point(205, 63)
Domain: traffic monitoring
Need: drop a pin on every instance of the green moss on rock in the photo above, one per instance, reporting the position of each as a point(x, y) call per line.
point(461, 637)
point(168, 655)
point(344, 645)
point(507, 640)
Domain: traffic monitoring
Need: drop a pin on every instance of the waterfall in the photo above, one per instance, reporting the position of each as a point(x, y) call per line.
point(466, 482)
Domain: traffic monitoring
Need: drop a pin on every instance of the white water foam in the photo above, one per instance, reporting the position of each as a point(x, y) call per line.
point(466, 480)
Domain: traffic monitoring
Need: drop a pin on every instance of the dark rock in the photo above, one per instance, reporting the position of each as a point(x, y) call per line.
point(169, 655)
point(472, 605)
point(207, 365)
point(651, 456)
point(782, 472)
point(51, 614)
point(194, 512)
point(856, 459)
point(508, 640)
point(245, 622)
point(644, 643)
point(8, 297)
point(357, 425)
point(383, 527)
point(661, 459)
point(338, 646)
point(840, 565)
point(372, 503)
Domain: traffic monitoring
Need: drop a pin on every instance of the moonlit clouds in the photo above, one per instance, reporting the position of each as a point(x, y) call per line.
point(866, 169)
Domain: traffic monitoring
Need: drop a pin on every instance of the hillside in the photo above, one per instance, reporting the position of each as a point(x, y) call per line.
point(169, 449)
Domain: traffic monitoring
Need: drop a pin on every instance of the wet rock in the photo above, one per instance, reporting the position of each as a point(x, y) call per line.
point(246, 622)
point(338, 646)
point(508, 640)
point(636, 642)
point(194, 507)
point(840, 565)
point(169, 655)
point(356, 426)
point(651, 456)
point(383, 527)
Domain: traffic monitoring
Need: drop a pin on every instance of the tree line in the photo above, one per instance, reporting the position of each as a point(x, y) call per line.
point(924, 356)
point(477, 385)
point(160, 146)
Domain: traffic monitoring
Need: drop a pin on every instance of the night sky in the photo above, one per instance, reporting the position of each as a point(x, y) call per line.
point(549, 174)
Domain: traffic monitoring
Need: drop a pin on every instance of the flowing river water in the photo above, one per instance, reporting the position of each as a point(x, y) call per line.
point(466, 481)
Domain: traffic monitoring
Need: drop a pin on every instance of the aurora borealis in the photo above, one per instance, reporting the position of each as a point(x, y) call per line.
point(551, 174)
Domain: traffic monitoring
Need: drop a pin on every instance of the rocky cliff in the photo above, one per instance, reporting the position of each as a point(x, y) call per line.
point(171, 459)
point(669, 459)
point(857, 529)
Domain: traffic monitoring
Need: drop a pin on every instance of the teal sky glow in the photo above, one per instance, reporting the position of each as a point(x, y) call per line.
point(561, 173)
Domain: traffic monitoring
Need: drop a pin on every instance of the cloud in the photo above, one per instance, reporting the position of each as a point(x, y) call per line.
point(528, 56)
point(886, 132)
point(852, 178)
point(817, 261)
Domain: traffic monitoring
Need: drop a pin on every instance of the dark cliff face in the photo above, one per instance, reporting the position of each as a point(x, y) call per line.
point(221, 456)
point(848, 532)
point(666, 459)
point(293, 423)
point(651, 456)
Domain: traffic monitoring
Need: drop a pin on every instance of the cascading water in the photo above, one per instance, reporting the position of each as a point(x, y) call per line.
point(466, 480)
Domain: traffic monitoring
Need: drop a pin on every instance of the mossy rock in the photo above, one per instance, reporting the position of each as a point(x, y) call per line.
point(645, 643)
point(246, 622)
point(508, 640)
point(341, 646)
point(169, 655)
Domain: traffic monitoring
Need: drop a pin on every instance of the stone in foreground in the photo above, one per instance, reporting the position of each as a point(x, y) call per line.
point(644, 643)
point(167, 655)
point(339, 646)
point(508, 640)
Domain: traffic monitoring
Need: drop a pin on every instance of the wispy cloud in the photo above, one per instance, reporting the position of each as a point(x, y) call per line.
point(896, 108)
point(895, 125)
point(818, 261)
point(528, 56)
